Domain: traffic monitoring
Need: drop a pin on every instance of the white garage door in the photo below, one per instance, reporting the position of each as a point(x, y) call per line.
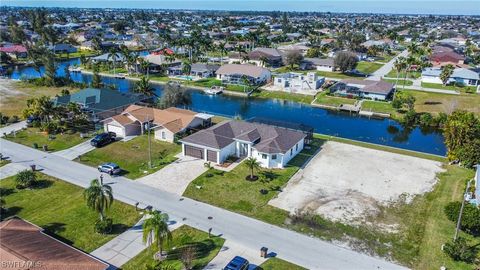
point(120, 131)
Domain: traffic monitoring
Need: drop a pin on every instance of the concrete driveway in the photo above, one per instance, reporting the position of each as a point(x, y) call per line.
point(231, 249)
point(175, 177)
point(385, 69)
point(75, 151)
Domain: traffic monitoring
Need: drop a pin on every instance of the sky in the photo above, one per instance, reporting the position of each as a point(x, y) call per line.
point(442, 7)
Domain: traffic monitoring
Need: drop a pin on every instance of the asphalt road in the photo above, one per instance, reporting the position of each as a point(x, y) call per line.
point(300, 249)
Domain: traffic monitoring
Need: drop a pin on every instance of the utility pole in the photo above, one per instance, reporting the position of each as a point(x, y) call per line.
point(149, 143)
point(459, 221)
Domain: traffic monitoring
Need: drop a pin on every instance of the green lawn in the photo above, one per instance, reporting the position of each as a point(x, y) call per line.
point(4, 162)
point(56, 142)
point(279, 264)
point(132, 156)
point(307, 99)
point(206, 250)
point(368, 67)
point(231, 191)
point(324, 99)
point(76, 54)
point(337, 75)
point(400, 82)
point(413, 74)
point(60, 209)
point(449, 87)
point(378, 106)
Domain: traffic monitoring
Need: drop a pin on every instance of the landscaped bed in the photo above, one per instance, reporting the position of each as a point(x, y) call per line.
point(57, 142)
point(60, 209)
point(132, 156)
point(205, 250)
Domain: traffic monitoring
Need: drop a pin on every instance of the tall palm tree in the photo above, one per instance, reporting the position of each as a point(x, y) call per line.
point(399, 65)
point(447, 71)
point(143, 87)
point(112, 54)
point(145, 66)
point(223, 51)
point(155, 229)
point(99, 197)
point(252, 164)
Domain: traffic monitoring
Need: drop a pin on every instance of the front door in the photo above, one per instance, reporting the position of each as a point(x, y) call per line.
point(243, 149)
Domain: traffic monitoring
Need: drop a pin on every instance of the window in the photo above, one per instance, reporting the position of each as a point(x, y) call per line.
point(296, 147)
point(291, 151)
point(274, 156)
point(264, 156)
point(163, 135)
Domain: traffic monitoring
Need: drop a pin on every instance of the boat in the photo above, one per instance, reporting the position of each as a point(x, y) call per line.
point(120, 76)
point(74, 69)
point(214, 90)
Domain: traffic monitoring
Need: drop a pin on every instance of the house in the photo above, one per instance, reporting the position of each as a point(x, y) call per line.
point(203, 70)
point(260, 57)
point(354, 88)
point(293, 82)
point(446, 57)
point(234, 74)
point(25, 246)
point(272, 146)
point(159, 61)
point(461, 76)
point(101, 103)
point(164, 123)
point(302, 48)
point(62, 48)
point(320, 64)
point(15, 51)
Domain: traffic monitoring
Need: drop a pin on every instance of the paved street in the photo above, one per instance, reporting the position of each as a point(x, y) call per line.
point(385, 69)
point(301, 249)
point(13, 127)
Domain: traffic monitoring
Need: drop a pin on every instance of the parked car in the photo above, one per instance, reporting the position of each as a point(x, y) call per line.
point(110, 168)
point(237, 263)
point(103, 139)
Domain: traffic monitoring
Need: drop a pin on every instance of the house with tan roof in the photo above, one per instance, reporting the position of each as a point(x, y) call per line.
point(368, 89)
point(24, 245)
point(165, 124)
point(234, 74)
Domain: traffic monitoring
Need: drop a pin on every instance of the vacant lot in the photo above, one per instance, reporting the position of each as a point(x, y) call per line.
point(55, 142)
point(436, 103)
point(132, 156)
point(60, 209)
point(347, 183)
point(368, 67)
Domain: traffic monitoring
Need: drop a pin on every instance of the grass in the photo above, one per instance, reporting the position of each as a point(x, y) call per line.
point(368, 67)
point(278, 264)
point(4, 162)
point(324, 99)
point(400, 82)
point(445, 103)
point(472, 89)
point(307, 99)
point(56, 142)
point(132, 156)
point(336, 75)
point(13, 101)
point(379, 106)
point(207, 249)
point(60, 209)
point(413, 74)
point(76, 54)
point(231, 191)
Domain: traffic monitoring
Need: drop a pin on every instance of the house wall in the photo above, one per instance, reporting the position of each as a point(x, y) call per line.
point(431, 79)
point(374, 96)
point(169, 136)
point(325, 68)
point(227, 151)
point(281, 160)
point(295, 150)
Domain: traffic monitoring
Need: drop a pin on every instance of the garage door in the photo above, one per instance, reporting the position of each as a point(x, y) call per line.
point(193, 151)
point(212, 156)
point(117, 130)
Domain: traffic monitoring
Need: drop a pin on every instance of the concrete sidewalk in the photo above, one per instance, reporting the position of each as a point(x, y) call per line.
point(124, 247)
point(12, 169)
point(13, 127)
point(73, 152)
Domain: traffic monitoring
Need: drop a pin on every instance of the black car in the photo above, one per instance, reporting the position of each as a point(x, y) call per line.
point(237, 263)
point(103, 139)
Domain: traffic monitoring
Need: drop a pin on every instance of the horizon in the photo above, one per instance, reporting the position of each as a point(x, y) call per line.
point(424, 7)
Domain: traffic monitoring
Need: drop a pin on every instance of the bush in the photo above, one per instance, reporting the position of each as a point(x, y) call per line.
point(470, 217)
point(425, 120)
point(49, 128)
point(103, 226)
point(460, 251)
point(26, 179)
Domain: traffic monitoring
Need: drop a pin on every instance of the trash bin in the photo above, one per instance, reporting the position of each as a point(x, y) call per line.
point(264, 252)
point(33, 167)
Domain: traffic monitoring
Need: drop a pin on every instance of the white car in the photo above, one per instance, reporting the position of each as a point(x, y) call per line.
point(110, 168)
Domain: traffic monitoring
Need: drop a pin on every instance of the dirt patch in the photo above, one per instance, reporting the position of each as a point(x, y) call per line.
point(349, 183)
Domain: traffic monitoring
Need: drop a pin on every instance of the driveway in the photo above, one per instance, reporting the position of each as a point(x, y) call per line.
point(75, 151)
point(175, 177)
point(231, 249)
point(13, 127)
point(385, 69)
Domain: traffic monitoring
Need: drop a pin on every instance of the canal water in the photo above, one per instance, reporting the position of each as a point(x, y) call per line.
point(378, 131)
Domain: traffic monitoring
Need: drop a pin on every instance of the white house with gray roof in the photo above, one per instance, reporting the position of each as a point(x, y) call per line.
point(460, 75)
point(272, 146)
point(233, 74)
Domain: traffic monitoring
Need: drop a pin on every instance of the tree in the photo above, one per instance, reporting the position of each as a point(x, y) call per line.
point(143, 87)
point(252, 165)
point(470, 216)
point(187, 256)
point(26, 178)
point(112, 54)
point(155, 229)
point(292, 58)
point(99, 197)
point(404, 99)
point(42, 107)
point(145, 66)
point(462, 135)
point(314, 52)
point(447, 71)
point(96, 79)
point(174, 96)
point(345, 61)
point(459, 250)
point(50, 69)
point(399, 65)
point(187, 67)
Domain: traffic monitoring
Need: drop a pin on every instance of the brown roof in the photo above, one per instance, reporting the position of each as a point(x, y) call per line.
point(249, 70)
point(266, 138)
point(173, 119)
point(23, 243)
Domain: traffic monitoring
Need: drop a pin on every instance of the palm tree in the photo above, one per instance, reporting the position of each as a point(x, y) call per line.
point(252, 164)
point(143, 87)
point(187, 67)
point(399, 65)
point(155, 228)
point(112, 54)
point(99, 197)
point(223, 51)
point(145, 66)
point(447, 71)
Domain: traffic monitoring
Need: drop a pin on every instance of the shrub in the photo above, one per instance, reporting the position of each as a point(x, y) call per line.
point(460, 251)
point(49, 128)
point(26, 178)
point(470, 217)
point(103, 226)
point(425, 120)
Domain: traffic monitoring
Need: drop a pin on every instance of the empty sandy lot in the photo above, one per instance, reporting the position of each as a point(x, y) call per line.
point(345, 182)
